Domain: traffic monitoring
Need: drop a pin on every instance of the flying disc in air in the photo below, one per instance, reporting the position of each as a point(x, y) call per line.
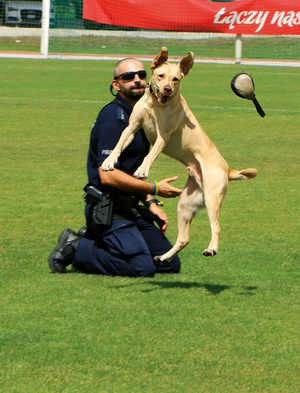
point(243, 86)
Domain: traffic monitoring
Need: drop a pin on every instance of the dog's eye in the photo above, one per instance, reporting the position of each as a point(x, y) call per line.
point(161, 75)
point(175, 79)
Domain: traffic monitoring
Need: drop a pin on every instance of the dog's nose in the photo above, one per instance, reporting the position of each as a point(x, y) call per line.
point(167, 90)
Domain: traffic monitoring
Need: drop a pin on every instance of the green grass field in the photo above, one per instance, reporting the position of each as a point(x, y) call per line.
point(224, 324)
point(269, 47)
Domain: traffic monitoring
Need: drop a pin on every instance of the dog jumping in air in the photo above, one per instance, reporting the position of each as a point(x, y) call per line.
point(172, 128)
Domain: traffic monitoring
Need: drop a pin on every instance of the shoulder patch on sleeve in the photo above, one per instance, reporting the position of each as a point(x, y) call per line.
point(121, 114)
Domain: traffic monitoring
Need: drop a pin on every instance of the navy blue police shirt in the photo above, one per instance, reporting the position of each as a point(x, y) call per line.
point(106, 132)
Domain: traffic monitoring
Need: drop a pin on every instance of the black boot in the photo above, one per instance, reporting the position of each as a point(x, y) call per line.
point(64, 252)
point(82, 231)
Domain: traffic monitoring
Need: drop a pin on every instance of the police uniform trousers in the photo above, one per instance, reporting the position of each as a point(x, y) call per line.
point(127, 248)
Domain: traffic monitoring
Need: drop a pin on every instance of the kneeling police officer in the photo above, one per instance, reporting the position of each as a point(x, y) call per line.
point(120, 237)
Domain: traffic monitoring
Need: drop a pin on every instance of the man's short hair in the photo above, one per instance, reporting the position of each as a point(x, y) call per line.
point(117, 66)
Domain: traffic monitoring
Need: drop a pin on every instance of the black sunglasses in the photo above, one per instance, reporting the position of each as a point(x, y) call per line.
point(129, 76)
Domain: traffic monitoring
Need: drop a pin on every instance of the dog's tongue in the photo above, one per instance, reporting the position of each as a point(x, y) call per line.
point(163, 99)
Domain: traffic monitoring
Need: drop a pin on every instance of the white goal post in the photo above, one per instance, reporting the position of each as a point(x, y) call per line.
point(45, 28)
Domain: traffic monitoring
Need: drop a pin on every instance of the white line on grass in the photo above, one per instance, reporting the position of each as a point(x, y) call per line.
point(105, 102)
point(241, 109)
point(52, 100)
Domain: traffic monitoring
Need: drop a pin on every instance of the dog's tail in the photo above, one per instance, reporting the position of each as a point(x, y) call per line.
point(244, 174)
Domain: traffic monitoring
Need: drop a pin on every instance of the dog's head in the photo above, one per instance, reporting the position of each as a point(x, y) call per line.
point(166, 77)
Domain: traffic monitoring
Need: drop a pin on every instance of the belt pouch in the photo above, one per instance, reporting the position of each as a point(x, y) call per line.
point(103, 210)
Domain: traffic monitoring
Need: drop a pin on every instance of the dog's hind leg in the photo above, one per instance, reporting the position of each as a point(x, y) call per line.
point(213, 197)
point(190, 201)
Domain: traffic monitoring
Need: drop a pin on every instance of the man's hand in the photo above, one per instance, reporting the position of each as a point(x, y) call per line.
point(165, 189)
point(160, 217)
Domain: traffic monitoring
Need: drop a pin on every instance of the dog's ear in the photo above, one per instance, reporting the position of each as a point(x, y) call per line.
point(161, 58)
point(186, 63)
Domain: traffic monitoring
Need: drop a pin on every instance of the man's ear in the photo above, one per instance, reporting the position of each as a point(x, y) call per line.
point(161, 58)
point(115, 85)
point(186, 63)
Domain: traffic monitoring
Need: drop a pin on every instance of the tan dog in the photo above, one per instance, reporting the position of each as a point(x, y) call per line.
point(172, 128)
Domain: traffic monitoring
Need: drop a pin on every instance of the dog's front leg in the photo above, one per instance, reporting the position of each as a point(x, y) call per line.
point(143, 170)
point(124, 141)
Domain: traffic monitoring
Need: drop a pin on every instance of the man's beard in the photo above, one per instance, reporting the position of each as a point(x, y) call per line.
point(134, 93)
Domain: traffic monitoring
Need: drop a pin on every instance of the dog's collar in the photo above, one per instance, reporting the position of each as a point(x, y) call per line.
point(150, 88)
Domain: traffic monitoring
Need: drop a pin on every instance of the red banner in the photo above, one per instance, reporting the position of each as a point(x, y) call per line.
point(236, 17)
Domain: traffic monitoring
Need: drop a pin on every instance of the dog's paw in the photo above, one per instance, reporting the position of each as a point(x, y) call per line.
point(209, 253)
point(108, 165)
point(158, 261)
point(141, 174)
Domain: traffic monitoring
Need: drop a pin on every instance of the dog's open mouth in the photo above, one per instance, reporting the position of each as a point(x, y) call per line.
point(163, 99)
